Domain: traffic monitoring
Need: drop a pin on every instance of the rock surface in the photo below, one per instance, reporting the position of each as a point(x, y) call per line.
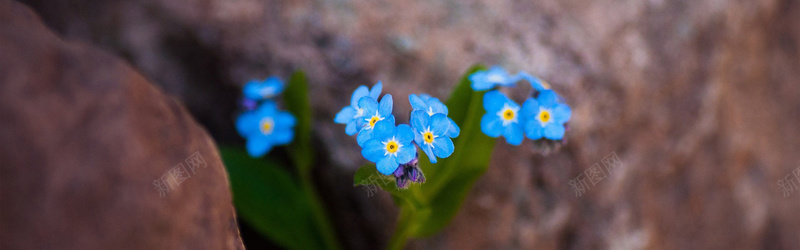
point(83, 138)
point(698, 99)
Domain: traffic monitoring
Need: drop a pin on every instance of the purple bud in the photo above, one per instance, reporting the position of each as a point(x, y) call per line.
point(415, 174)
point(402, 183)
point(399, 171)
point(248, 104)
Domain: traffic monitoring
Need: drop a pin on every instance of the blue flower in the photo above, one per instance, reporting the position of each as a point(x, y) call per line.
point(431, 106)
point(350, 114)
point(485, 80)
point(265, 127)
point(389, 146)
point(430, 134)
point(535, 82)
point(373, 113)
point(545, 116)
point(502, 118)
point(261, 90)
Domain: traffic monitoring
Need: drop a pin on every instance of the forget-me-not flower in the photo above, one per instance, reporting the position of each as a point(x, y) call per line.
point(373, 113)
point(389, 146)
point(536, 83)
point(502, 118)
point(431, 106)
point(265, 127)
point(261, 90)
point(430, 134)
point(350, 115)
point(545, 116)
point(487, 79)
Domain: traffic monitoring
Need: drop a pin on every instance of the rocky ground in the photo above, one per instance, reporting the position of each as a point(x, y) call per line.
point(698, 99)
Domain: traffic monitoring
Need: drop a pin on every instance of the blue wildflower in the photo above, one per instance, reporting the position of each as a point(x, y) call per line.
point(430, 134)
point(261, 90)
point(431, 106)
point(545, 116)
point(502, 118)
point(373, 113)
point(389, 146)
point(350, 114)
point(536, 83)
point(265, 127)
point(485, 80)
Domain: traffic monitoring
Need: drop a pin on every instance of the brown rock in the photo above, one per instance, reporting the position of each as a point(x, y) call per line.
point(83, 137)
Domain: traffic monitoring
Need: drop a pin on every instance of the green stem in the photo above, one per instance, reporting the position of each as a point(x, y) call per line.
point(400, 236)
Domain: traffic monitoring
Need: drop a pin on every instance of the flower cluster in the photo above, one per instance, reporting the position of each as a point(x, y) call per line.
point(261, 123)
point(542, 117)
point(393, 148)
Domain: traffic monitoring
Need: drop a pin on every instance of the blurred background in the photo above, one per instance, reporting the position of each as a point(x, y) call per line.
point(698, 99)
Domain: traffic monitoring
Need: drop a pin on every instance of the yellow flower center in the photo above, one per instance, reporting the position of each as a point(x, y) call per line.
point(427, 137)
point(544, 116)
point(373, 120)
point(266, 125)
point(392, 147)
point(509, 114)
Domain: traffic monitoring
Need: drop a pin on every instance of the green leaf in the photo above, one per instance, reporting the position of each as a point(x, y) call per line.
point(268, 198)
point(428, 208)
point(296, 100)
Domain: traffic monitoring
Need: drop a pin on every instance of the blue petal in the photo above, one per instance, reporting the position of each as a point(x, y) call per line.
point(282, 137)
point(535, 82)
point(454, 130)
point(443, 147)
point(351, 128)
point(384, 130)
point(425, 97)
point(437, 106)
point(247, 123)
point(375, 92)
point(373, 150)
point(513, 134)
point(275, 86)
point(266, 108)
point(364, 135)
point(257, 146)
point(251, 90)
point(360, 92)
point(406, 153)
point(533, 129)
point(417, 103)
point(428, 151)
point(479, 81)
point(345, 115)
point(419, 120)
point(493, 101)
point(369, 106)
point(404, 134)
point(547, 98)
point(554, 131)
point(387, 165)
point(285, 119)
point(561, 113)
point(439, 124)
point(385, 108)
point(491, 125)
point(530, 108)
